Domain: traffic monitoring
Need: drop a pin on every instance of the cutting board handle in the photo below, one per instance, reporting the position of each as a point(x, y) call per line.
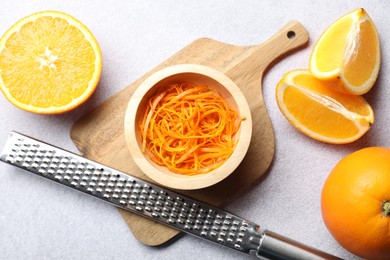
point(258, 58)
point(291, 36)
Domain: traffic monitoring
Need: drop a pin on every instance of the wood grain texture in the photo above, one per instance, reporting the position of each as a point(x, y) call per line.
point(99, 135)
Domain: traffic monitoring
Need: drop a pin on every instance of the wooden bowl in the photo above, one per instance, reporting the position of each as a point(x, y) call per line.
point(195, 74)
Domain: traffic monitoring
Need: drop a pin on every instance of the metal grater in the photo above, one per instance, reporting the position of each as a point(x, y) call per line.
point(151, 201)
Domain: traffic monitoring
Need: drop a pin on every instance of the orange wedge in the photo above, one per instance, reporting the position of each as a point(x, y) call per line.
point(347, 55)
point(50, 63)
point(321, 113)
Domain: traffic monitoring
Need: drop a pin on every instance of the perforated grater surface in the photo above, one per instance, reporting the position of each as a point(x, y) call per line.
point(151, 201)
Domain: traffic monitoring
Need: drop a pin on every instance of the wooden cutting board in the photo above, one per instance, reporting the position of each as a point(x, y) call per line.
point(99, 135)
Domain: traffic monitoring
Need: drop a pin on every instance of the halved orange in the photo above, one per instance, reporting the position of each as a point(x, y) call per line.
point(50, 63)
point(321, 113)
point(347, 55)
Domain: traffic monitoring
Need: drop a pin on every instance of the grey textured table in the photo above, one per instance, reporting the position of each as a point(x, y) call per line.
point(41, 220)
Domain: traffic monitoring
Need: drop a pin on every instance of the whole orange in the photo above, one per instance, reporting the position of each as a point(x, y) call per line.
point(355, 203)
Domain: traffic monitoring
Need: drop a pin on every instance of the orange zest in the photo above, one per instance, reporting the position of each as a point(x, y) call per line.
point(189, 128)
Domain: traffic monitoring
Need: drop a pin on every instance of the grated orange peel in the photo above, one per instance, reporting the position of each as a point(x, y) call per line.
point(189, 128)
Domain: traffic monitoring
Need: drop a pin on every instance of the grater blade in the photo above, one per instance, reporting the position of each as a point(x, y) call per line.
point(149, 200)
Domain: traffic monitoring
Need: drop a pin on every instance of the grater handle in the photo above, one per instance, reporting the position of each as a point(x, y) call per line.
point(276, 247)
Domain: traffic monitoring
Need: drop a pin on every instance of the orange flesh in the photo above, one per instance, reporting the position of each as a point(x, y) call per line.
point(330, 52)
point(42, 67)
point(347, 55)
point(325, 120)
point(320, 112)
point(362, 64)
point(353, 104)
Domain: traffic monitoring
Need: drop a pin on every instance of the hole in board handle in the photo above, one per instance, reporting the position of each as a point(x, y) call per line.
point(291, 35)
